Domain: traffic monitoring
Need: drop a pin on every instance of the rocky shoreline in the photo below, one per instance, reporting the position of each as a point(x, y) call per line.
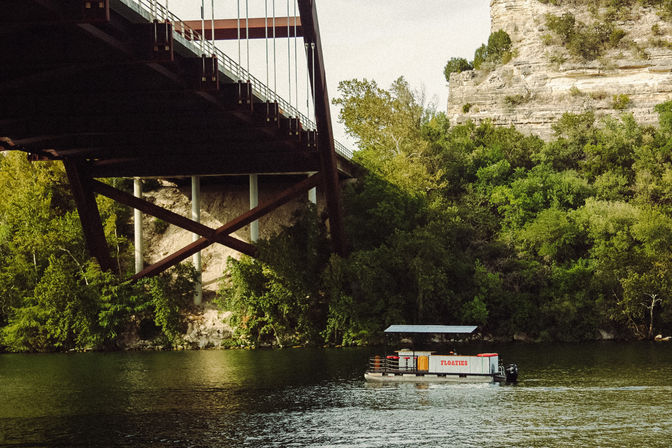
point(206, 328)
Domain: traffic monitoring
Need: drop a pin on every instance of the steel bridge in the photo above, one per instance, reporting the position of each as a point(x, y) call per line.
point(123, 88)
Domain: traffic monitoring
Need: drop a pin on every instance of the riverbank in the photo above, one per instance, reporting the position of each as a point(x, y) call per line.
point(208, 328)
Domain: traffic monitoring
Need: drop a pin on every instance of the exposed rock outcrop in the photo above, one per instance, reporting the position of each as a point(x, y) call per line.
point(220, 203)
point(208, 329)
point(542, 80)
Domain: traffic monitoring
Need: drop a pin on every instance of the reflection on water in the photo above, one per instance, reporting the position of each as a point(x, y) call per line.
point(569, 395)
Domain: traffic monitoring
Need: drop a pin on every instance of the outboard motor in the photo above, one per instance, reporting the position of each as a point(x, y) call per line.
point(511, 371)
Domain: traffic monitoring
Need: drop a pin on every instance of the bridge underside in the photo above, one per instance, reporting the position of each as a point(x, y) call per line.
point(111, 94)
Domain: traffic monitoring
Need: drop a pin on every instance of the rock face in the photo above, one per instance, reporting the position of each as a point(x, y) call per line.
point(209, 329)
point(207, 326)
point(542, 81)
point(220, 203)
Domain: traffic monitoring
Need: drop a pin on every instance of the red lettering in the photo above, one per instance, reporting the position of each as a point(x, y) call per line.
point(445, 362)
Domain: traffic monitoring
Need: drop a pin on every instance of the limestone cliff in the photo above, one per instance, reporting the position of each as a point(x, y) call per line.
point(543, 80)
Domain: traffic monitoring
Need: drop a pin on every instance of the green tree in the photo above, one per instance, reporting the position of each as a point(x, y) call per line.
point(53, 295)
point(497, 50)
point(387, 125)
point(456, 65)
point(55, 317)
point(277, 298)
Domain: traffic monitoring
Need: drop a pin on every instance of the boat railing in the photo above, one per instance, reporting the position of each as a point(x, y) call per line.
point(393, 364)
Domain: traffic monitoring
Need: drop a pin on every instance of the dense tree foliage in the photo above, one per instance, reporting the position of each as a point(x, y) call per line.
point(584, 41)
point(53, 296)
point(456, 65)
point(498, 50)
point(476, 224)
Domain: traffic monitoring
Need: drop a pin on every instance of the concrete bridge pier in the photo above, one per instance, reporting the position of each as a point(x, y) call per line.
point(254, 201)
point(196, 216)
point(137, 227)
point(312, 194)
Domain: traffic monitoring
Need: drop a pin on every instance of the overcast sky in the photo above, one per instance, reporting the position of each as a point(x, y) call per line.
point(374, 39)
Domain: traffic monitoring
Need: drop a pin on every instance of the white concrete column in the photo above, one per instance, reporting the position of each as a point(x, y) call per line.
point(254, 201)
point(196, 216)
point(312, 193)
point(137, 227)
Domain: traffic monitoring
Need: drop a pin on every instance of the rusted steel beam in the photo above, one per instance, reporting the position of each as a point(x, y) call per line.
point(80, 184)
point(325, 135)
point(268, 163)
point(175, 150)
point(172, 218)
point(239, 222)
point(227, 29)
point(7, 144)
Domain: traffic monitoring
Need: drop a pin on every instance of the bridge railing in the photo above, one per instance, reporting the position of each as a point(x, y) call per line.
point(192, 39)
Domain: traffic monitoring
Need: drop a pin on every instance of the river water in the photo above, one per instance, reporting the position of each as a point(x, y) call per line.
point(588, 395)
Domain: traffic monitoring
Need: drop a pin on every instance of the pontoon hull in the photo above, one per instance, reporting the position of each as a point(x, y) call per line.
point(429, 378)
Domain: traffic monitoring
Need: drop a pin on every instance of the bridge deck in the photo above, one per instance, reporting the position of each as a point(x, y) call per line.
point(122, 88)
point(111, 93)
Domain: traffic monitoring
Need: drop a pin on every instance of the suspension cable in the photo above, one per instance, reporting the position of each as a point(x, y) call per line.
point(247, 36)
point(275, 64)
point(266, 37)
point(305, 45)
point(312, 48)
point(166, 15)
point(212, 29)
point(215, 63)
point(266, 40)
point(238, 68)
point(203, 27)
point(289, 59)
point(296, 64)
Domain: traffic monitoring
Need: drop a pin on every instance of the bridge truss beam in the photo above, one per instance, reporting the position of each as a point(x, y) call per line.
point(233, 225)
point(325, 134)
point(80, 184)
point(172, 218)
point(227, 29)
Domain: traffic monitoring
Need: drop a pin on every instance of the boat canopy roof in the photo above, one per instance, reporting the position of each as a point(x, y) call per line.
point(441, 329)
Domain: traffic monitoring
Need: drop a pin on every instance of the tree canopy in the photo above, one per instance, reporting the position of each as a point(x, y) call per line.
point(53, 296)
point(478, 224)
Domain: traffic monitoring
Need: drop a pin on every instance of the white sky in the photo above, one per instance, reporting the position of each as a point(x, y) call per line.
point(375, 39)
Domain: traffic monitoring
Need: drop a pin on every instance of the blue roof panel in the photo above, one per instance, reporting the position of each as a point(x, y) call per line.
point(444, 329)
